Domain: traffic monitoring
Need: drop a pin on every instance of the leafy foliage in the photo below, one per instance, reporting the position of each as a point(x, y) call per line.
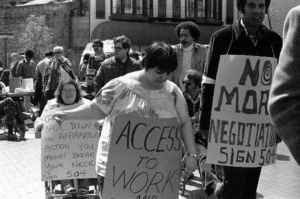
point(37, 36)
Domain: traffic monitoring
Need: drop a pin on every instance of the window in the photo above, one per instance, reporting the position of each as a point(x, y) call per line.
point(209, 9)
point(134, 7)
point(201, 8)
point(176, 9)
point(138, 7)
point(162, 8)
point(100, 9)
point(128, 7)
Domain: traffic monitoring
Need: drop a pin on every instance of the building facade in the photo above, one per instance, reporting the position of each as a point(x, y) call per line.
point(145, 21)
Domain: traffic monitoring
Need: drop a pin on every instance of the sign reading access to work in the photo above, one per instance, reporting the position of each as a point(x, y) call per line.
point(241, 133)
point(144, 159)
point(68, 150)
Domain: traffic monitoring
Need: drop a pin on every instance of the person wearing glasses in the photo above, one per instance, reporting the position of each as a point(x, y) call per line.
point(96, 59)
point(68, 93)
point(88, 86)
point(58, 68)
point(192, 85)
point(118, 65)
point(190, 55)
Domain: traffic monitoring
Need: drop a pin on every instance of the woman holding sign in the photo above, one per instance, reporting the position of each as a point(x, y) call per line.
point(68, 93)
point(147, 94)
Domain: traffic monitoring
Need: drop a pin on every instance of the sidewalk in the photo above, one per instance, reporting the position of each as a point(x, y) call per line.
point(20, 173)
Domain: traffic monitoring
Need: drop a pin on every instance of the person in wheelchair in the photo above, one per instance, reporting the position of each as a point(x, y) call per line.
point(67, 93)
point(11, 112)
point(192, 85)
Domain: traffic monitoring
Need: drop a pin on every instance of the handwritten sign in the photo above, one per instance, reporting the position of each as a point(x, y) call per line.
point(144, 159)
point(68, 150)
point(241, 133)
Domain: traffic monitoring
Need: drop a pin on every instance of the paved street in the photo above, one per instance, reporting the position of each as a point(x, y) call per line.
point(20, 173)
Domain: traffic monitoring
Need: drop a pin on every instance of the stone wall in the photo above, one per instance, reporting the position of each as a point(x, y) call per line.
point(70, 31)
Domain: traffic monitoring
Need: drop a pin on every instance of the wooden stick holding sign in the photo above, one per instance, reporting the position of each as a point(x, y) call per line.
point(241, 133)
point(144, 159)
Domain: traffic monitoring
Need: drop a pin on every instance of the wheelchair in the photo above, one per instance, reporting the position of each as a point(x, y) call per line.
point(51, 193)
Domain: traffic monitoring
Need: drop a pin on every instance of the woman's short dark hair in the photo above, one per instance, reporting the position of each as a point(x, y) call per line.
point(98, 42)
point(160, 55)
point(193, 28)
point(123, 40)
point(241, 5)
point(194, 76)
point(60, 87)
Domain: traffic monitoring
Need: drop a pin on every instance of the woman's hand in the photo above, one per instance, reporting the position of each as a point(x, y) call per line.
point(60, 116)
point(190, 165)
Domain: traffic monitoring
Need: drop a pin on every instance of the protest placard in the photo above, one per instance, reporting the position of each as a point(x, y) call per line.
point(241, 133)
point(144, 159)
point(68, 150)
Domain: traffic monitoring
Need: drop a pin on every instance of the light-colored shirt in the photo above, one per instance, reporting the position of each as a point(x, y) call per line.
point(40, 68)
point(122, 95)
point(186, 63)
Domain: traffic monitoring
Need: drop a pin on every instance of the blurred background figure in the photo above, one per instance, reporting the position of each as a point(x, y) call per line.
point(83, 67)
point(39, 97)
point(59, 68)
point(15, 57)
point(136, 55)
point(96, 59)
point(11, 111)
point(87, 87)
point(26, 67)
point(25, 70)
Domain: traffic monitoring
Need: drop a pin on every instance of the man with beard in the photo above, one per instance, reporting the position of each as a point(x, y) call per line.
point(190, 55)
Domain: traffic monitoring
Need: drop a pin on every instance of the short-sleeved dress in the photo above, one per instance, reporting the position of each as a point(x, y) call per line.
point(122, 95)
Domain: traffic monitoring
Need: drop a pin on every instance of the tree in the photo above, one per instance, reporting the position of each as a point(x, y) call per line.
point(37, 36)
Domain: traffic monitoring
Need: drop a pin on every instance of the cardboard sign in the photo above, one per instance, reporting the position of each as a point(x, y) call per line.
point(68, 150)
point(241, 133)
point(144, 159)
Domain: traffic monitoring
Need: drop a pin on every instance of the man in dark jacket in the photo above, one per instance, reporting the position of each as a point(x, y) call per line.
point(118, 65)
point(248, 36)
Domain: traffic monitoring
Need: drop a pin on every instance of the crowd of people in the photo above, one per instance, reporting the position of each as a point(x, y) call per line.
point(165, 82)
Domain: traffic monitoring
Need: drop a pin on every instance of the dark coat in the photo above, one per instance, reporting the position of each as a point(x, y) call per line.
point(233, 40)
